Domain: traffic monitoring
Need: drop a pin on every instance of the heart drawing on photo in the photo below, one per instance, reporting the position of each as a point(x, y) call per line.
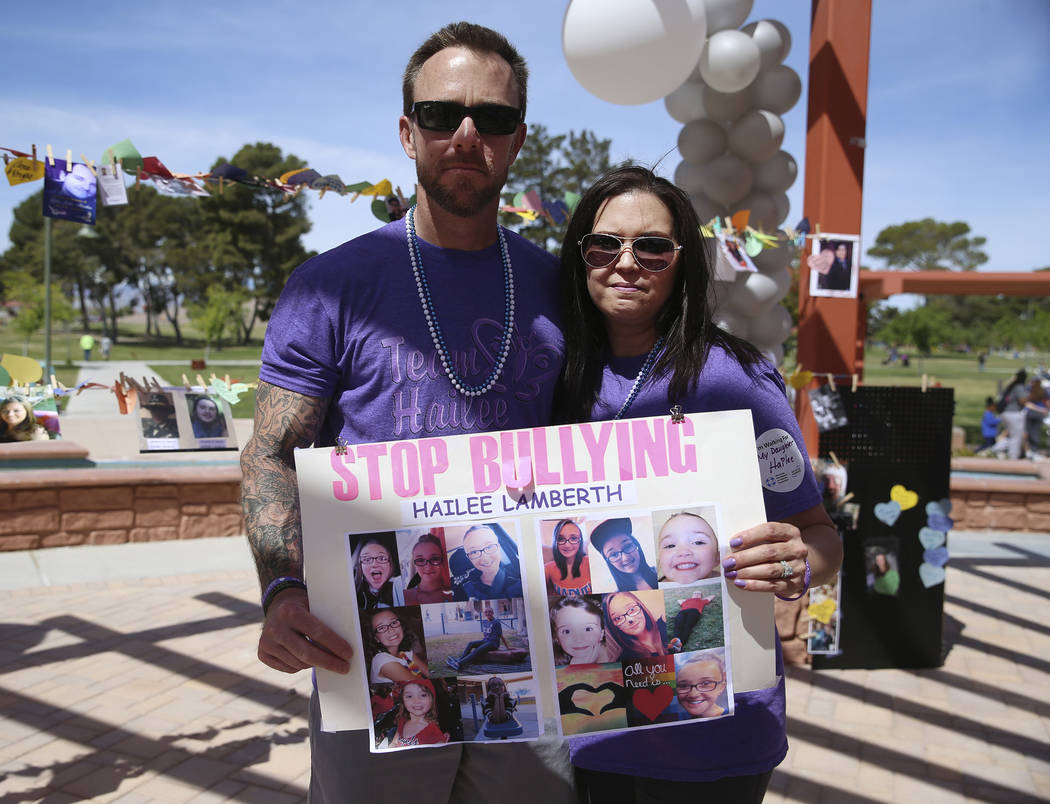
point(821, 263)
point(651, 702)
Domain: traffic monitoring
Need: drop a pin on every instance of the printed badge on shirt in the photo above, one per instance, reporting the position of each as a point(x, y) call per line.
point(780, 462)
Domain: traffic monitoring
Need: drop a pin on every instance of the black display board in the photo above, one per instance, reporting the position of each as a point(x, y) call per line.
point(896, 436)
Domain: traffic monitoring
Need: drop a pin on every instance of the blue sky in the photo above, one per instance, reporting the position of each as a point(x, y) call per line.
point(957, 106)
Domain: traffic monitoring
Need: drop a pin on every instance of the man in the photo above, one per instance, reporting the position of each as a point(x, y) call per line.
point(491, 636)
point(378, 340)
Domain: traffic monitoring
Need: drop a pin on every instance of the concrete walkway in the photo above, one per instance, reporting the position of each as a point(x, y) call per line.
point(128, 674)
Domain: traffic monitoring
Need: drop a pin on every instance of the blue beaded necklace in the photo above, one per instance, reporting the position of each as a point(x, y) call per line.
point(430, 314)
point(639, 381)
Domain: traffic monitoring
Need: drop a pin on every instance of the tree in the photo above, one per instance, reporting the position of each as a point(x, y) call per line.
point(29, 293)
point(218, 315)
point(929, 245)
point(553, 165)
point(253, 233)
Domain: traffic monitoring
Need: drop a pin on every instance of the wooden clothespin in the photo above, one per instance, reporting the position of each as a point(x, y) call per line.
point(50, 156)
point(816, 232)
point(34, 152)
point(155, 385)
point(69, 159)
point(228, 383)
point(925, 383)
point(831, 379)
point(853, 387)
point(185, 381)
point(122, 398)
point(7, 159)
point(131, 382)
point(91, 165)
point(201, 382)
point(834, 458)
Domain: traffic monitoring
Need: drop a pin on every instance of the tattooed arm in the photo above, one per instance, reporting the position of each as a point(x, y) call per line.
point(292, 638)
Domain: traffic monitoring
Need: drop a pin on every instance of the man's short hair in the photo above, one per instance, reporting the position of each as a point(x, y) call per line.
point(473, 37)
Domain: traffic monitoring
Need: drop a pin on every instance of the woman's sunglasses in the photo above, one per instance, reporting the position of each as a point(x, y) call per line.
point(651, 253)
point(489, 118)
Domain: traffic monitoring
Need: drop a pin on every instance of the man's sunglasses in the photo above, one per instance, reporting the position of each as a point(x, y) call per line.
point(651, 253)
point(489, 118)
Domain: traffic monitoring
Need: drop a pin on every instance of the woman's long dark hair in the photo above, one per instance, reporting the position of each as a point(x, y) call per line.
point(559, 559)
point(685, 322)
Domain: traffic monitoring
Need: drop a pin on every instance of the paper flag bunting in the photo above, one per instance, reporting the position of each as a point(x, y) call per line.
point(22, 170)
point(125, 153)
point(231, 393)
point(23, 370)
point(740, 219)
point(800, 378)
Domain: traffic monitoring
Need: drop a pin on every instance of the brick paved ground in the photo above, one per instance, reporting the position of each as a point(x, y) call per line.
point(149, 690)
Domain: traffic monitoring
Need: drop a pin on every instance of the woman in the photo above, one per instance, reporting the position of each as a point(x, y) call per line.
point(18, 422)
point(639, 338)
point(1035, 410)
point(374, 565)
point(567, 545)
point(430, 582)
point(1012, 404)
point(395, 650)
point(207, 418)
point(417, 717)
point(623, 555)
point(633, 627)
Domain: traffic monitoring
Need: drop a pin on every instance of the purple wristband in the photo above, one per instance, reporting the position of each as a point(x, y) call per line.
point(278, 585)
point(805, 585)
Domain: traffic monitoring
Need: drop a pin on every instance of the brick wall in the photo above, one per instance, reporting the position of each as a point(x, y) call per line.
point(55, 507)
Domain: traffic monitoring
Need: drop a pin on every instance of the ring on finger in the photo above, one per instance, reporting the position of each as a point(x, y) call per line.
point(786, 570)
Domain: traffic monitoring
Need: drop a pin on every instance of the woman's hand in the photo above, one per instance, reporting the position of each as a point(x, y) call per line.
point(768, 558)
point(758, 553)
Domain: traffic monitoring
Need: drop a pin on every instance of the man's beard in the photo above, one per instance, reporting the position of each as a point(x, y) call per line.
point(461, 198)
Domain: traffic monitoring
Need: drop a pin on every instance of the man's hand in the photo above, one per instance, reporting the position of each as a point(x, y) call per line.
point(293, 639)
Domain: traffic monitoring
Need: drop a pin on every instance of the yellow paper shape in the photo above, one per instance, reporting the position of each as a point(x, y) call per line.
point(800, 379)
point(822, 611)
point(381, 188)
point(23, 169)
point(23, 370)
point(906, 499)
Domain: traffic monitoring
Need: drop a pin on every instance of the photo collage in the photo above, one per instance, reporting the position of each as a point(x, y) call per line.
point(637, 620)
point(444, 623)
point(185, 420)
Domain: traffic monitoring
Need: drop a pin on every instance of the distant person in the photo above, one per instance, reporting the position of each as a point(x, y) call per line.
point(981, 359)
point(87, 343)
point(106, 344)
point(989, 424)
point(1011, 404)
point(1035, 410)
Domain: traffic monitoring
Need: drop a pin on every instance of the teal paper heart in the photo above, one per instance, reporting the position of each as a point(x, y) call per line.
point(939, 522)
point(939, 507)
point(888, 512)
point(938, 556)
point(931, 575)
point(930, 538)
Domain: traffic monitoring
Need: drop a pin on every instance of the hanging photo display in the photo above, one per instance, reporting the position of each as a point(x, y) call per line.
point(827, 407)
point(177, 419)
point(559, 580)
point(824, 613)
point(834, 266)
point(111, 189)
point(28, 414)
point(69, 191)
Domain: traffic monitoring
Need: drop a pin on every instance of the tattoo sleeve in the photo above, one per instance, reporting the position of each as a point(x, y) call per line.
point(284, 420)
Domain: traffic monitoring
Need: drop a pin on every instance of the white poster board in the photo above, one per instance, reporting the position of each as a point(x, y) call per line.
point(363, 500)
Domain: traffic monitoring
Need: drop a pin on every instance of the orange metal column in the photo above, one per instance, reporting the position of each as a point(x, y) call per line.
point(831, 331)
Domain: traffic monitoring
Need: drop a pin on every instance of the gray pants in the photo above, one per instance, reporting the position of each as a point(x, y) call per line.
point(343, 770)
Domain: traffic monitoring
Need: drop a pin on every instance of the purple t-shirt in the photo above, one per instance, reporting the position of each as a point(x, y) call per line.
point(754, 740)
point(349, 326)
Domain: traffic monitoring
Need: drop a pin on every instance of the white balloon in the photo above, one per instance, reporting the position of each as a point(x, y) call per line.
point(754, 296)
point(725, 179)
point(726, 106)
point(733, 323)
point(776, 174)
point(756, 136)
point(774, 353)
point(628, 52)
point(687, 102)
point(701, 141)
point(689, 178)
point(772, 37)
point(777, 89)
point(772, 327)
point(722, 14)
point(762, 209)
point(783, 208)
point(706, 209)
point(730, 61)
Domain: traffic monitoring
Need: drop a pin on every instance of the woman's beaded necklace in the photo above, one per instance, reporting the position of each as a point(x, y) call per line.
point(639, 381)
point(430, 314)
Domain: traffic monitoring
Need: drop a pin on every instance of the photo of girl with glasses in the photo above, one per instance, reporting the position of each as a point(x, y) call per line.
point(569, 573)
point(578, 629)
point(427, 571)
point(624, 555)
point(394, 645)
point(635, 620)
point(376, 571)
point(484, 565)
point(700, 684)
